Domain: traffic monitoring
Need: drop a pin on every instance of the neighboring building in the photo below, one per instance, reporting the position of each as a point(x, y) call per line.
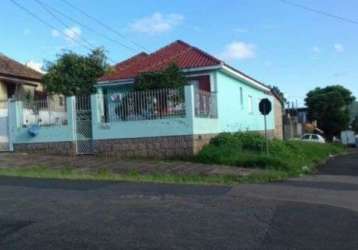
point(17, 80)
point(354, 111)
point(300, 113)
point(294, 122)
point(278, 109)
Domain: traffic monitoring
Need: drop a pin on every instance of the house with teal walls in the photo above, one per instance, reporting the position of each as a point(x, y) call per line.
point(218, 98)
point(118, 120)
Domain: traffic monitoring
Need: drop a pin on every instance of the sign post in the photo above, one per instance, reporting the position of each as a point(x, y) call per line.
point(265, 108)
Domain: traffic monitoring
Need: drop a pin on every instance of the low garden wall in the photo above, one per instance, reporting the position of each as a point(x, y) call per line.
point(58, 148)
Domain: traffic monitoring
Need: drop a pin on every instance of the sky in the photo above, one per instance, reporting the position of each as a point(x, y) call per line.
point(274, 42)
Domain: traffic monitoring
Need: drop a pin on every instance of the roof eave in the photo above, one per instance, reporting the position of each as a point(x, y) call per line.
point(239, 75)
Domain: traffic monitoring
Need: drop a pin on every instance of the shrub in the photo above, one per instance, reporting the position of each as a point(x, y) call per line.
point(247, 150)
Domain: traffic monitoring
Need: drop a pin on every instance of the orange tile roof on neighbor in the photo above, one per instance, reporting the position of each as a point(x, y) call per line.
point(12, 68)
point(179, 52)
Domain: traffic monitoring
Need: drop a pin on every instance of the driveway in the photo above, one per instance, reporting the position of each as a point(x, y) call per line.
point(314, 212)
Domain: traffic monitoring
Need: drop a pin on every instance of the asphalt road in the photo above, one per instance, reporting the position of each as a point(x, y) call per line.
point(315, 212)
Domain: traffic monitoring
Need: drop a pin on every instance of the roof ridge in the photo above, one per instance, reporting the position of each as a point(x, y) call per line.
point(131, 58)
point(167, 59)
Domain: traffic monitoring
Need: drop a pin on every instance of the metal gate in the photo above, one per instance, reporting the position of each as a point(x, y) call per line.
point(4, 126)
point(84, 142)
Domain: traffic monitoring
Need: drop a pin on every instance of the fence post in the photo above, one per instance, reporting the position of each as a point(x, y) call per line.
point(189, 101)
point(15, 120)
point(97, 108)
point(190, 105)
point(71, 115)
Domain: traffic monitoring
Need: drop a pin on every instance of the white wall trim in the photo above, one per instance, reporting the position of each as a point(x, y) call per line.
point(202, 68)
point(114, 82)
point(240, 76)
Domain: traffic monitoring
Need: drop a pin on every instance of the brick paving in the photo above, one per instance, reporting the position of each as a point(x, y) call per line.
point(23, 160)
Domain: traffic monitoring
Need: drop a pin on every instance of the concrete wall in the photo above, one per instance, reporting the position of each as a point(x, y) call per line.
point(58, 133)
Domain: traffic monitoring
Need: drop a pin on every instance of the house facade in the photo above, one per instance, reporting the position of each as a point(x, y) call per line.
point(218, 98)
point(161, 123)
point(16, 81)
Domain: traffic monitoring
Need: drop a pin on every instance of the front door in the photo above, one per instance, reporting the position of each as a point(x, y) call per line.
point(84, 142)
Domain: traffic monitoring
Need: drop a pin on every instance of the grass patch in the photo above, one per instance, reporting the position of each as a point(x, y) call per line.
point(133, 176)
point(286, 159)
point(247, 150)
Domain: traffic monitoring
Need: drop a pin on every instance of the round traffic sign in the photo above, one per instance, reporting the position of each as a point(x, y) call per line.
point(265, 106)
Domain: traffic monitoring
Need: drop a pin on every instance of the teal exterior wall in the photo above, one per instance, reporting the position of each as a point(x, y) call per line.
point(233, 114)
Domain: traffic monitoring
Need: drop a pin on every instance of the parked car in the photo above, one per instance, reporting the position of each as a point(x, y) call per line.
point(313, 138)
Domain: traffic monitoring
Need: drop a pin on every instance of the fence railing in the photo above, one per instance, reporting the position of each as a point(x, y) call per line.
point(50, 111)
point(205, 104)
point(145, 105)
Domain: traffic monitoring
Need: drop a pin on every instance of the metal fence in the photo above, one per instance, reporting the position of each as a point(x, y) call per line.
point(50, 111)
point(145, 105)
point(205, 104)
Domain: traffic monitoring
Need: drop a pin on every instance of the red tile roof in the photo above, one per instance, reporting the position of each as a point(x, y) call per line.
point(179, 52)
point(12, 68)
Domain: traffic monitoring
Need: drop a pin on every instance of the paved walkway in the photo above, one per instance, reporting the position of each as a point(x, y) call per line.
point(117, 166)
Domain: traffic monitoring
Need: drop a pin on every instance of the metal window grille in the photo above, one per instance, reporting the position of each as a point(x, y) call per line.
point(205, 104)
point(145, 105)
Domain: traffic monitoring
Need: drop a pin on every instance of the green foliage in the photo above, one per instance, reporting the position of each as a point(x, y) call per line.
point(171, 77)
point(330, 107)
point(246, 150)
point(73, 74)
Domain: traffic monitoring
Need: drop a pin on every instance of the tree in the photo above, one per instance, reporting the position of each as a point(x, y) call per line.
point(171, 77)
point(330, 108)
point(74, 74)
